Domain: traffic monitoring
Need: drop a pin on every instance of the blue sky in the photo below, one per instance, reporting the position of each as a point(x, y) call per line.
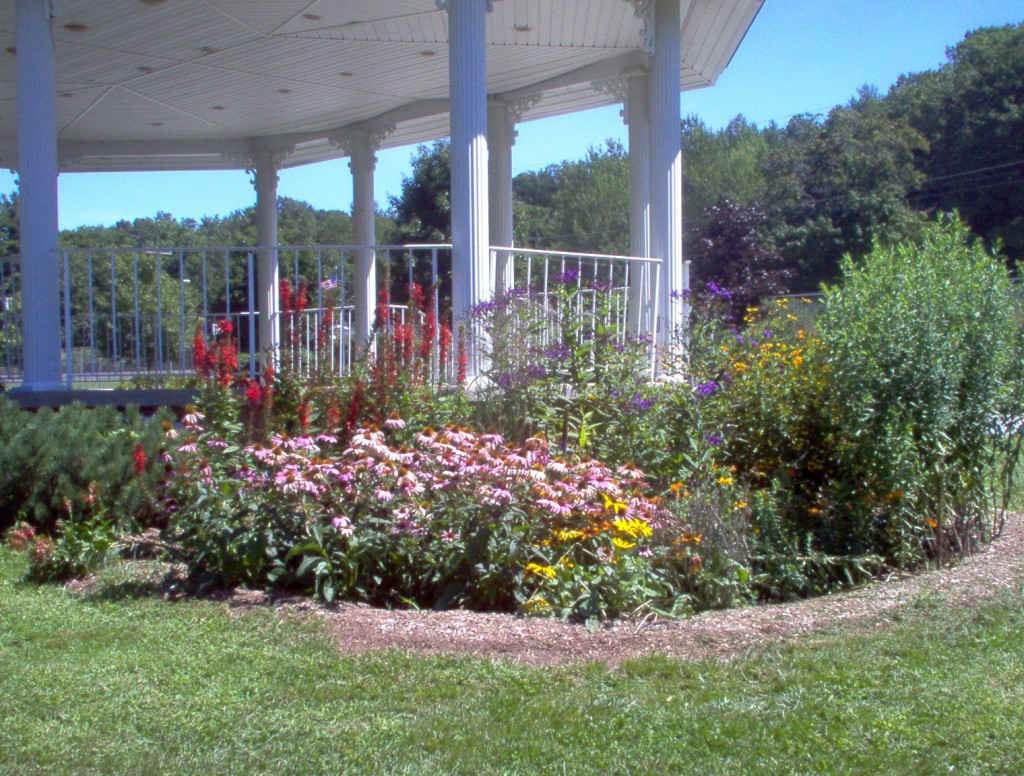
point(800, 56)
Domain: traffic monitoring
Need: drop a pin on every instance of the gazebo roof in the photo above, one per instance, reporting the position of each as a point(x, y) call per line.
point(200, 84)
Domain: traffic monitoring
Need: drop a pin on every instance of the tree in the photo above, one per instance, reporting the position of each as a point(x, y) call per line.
point(423, 211)
point(729, 163)
point(837, 186)
point(971, 110)
point(735, 250)
point(9, 234)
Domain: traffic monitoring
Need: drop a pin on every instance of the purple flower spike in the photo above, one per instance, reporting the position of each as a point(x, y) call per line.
point(717, 290)
point(708, 388)
point(713, 439)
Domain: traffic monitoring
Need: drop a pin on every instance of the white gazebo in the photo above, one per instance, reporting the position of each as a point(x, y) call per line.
point(247, 84)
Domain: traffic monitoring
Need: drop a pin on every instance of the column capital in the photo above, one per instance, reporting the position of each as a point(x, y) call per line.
point(443, 5)
point(644, 10)
point(257, 157)
point(514, 111)
point(348, 140)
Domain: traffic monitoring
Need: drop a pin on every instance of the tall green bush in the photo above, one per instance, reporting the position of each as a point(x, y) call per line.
point(924, 359)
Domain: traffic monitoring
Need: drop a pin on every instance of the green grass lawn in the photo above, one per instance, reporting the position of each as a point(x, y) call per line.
point(126, 684)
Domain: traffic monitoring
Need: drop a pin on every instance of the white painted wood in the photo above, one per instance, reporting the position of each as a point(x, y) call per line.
point(500, 139)
point(211, 71)
point(666, 179)
point(37, 179)
point(268, 272)
point(471, 282)
point(641, 285)
point(363, 162)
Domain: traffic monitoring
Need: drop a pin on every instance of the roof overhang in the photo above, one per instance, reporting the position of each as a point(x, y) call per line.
point(204, 84)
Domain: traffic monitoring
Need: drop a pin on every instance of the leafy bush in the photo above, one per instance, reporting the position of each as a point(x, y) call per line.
point(924, 345)
point(77, 461)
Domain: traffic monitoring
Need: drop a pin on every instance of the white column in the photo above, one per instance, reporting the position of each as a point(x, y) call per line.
point(467, 79)
point(362, 163)
point(267, 269)
point(641, 282)
point(501, 136)
point(37, 187)
point(667, 167)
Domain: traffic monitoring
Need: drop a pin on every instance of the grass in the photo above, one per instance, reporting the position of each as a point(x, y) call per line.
point(126, 683)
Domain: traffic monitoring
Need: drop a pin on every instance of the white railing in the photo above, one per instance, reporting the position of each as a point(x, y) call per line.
point(131, 315)
point(619, 293)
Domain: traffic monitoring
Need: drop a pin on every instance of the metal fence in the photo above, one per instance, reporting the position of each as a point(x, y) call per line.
point(130, 316)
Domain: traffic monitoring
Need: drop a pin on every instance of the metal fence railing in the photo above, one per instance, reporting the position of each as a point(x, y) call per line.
point(130, 316)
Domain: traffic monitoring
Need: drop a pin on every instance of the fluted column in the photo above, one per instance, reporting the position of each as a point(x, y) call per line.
point(363, 162)
point(268, 274)
point(666, 179)
point(501, 136)
point(642, 286)
point(37, 187)
point(467, 78)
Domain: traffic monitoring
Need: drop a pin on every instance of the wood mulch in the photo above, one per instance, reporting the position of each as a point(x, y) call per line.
point(537, 641)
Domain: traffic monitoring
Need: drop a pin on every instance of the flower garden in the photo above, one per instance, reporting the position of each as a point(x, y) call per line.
point(790, 451)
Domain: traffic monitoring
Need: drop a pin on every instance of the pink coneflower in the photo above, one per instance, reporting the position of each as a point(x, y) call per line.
point(394, 422)
point(217, 442)
point(449, 536)
point(384, 495)
point(189, 445)
point(343, 525)
point(498, 496)
point(554, 507)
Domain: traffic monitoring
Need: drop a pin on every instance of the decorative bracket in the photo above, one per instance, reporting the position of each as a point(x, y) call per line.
point(644, 10)
point(617, 87)
point(250, 161)
point(345, 141)
point(514, 110)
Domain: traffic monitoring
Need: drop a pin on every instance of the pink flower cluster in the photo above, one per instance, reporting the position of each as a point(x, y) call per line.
point(419, 489)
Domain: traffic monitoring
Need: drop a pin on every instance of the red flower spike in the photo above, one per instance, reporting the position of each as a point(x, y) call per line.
point(139, 458)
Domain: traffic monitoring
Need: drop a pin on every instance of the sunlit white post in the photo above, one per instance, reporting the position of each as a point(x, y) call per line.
point(267, 268)
point(467, 79)
point(501, 136)
point(642, 286)
point(37, 186)
point(363, 162)
point(666, 181)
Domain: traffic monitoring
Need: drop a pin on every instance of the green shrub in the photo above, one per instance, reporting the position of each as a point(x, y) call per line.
point(924, 358)
point(77, 461)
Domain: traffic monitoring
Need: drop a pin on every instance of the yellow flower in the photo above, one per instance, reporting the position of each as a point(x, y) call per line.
point(739, 505)
point(537, 606)
point(567, 536)
point(540, 571)
point(931, 522)
point(725, 480)
point(633, 528)
point(616, 506)
point(622, 544)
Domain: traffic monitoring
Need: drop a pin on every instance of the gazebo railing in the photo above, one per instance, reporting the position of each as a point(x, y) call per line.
point(129, 316)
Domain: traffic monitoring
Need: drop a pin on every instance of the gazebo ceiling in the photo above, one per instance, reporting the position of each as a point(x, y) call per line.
point(199, 84)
